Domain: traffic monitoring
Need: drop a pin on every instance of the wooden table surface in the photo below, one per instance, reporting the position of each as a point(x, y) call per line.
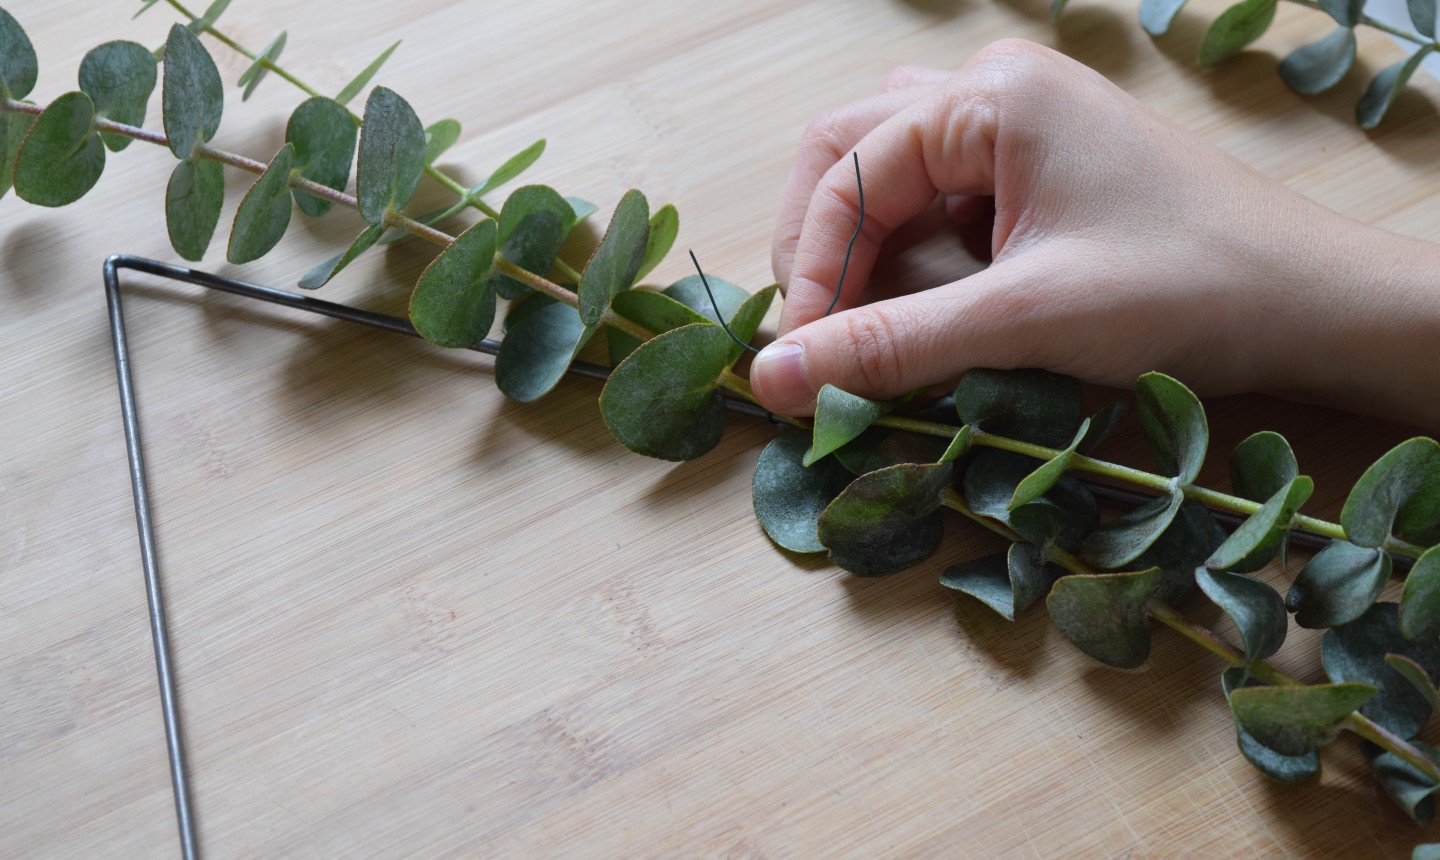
point(412, 618)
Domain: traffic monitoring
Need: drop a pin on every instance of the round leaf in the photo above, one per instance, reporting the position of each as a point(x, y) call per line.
point(664, 226)
point(1008, 583)
point(1039, 482)
point(690, 292)
point(1184, 545)
point(1385, 86)
point(533, 225)
point(1255, 607)
point(538, 348)
point(1174, 425)
point(1287, 769)
point(62, 157)
point(1261, 466)
point(1064, 515)
point(1420, 600)
point(1422, 15)
point(887, 520)
point(788, 496)
point(613, 266)
point(119, 78)
point(320, 274)
point(439, 137)
point(1338, 585)
point(18, 65)
point(654, 311)
point(1123, 539)
point(1345, 12)
point(1418, 678)
point(13, 129)
point(192, 97)
point(1407, 785)
point(453, 303)
point(1296, 720)
point(192, 205)
point(661, 401)
point(1355, 652)
point(1400, 492)
point(1257, 539)
point(264, 212)
point(1102, 425)
point(1319, 66)
point(1236, 27)
point(392, 155)
point(1157, 15)
point(839, 417)
point(1033, 405)
point(323, 134)
point(1105, 615)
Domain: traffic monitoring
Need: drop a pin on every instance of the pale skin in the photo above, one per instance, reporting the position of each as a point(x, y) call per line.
point(1121, 244)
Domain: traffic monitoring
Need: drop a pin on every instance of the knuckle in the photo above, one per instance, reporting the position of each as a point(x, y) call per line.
point(825, 132)
point(870, 347)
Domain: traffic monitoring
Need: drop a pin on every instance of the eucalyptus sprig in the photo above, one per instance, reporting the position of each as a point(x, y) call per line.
point(865, 482)
point(1318, 66)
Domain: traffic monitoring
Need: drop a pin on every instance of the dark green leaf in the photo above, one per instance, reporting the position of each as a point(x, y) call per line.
point(537, 349)
point(1385, 86)
point(661, 401)
point(1422, 15)
point(1320, 65)
point(1174, 425)
point(1261, 466)
point(1034, 405)
point(1256, 609)
point(392, 153)
point(886, 521)
point(788, 496)
point(1105, 615)
point(654, 311)
point(323, 134)
point(1428, 851)
point(1190, 539)
point(613, 266)
point(439, 137)
point(321, 274)
point(878, 447)
point(516, 165)
point(13, 129)
point(18, 65)
point(533, 225)
point(1420, 601)
point(1407, 785)
point(1287, 769)
point(1417, 676)
point(1355, 652)
point(1400, 492)
point(959, 445)
point(1122, 540)
point(1256, 541)
point(192, 97)
point(62, 157)
point(192, 205)
point(1064, 515)
point(454, 301)
point(1039, 482)
point(209, 16)
point(664, 227)
point(839, 417)
point(353, 88)
point(748, 318)
point(1156, 16)
point(1345, 12)
point(252, 76)
point(690, 292)
point(119, 78)
point(264, 213)
point(1236, 27)
point(1008, 583)
point(1101, 426)
point(1338, 585)
point(1296, 720)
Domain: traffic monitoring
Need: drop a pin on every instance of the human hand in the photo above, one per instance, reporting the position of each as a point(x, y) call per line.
point(1121, 244)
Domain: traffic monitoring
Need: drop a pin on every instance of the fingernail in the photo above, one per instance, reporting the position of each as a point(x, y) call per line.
point(778, 375)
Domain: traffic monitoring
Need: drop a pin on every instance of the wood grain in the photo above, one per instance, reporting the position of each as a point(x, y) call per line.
point(414, 619)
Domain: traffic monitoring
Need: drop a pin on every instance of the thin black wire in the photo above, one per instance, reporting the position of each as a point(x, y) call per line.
point(720, 317)
point(859, 222)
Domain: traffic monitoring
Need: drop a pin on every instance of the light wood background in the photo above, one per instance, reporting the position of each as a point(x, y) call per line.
point(414, 619)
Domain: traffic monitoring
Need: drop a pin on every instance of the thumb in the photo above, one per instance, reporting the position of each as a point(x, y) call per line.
point(888, 348)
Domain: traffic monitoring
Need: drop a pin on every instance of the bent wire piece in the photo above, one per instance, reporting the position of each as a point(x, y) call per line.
point(159, 626)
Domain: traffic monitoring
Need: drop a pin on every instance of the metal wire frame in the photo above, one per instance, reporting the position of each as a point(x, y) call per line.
point(159, 626)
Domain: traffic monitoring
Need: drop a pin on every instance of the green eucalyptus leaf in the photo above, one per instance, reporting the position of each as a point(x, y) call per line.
point(1039, 482)
point(1262, 466)
point(251, 77)
point(392, 153)
point(516, 165)
point(959, 445)
point(1420, 599)
point(839, 417)
point(1287, 769)
point(522, 308)
point(264, 213)
point(661, 401)
point(1385, 86)
point(1256, 541)
point(1174, 425)
point(1400, 492)
point(353, 88)
point(13, 129)
point(1427, 851)
point(1008, 584)
point(613, 266)
point(537, 350)
point(1105, 615)
point(664, 227)
point(1320, 65)
point(1345, 12)
point(887, 520)
point(1422, 15)
point(1184, 545)
point(321, 273)
point(1033, 405)
point(191, 97)
point(533, 225)
point(1338, 585)
point(18, 66)
point(1256, 609)
point(119, 78)
point(208, 18)
point(1123, 539)
point(1156, 16)
point(323, 133)
point(748, 318)
point(651, 310)
point(788, 496)
point(1064, 515)
point(453, 304)
point(440, 136)
point(62, 157)
point(878, 447)
point(1236, 27)
point(690, 292)
point(1407, 785)
point(1417, 676)
point(1355, 653)
point(193, 199)
point(583, 208)
point(1295, 720)
point(1101, 426)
